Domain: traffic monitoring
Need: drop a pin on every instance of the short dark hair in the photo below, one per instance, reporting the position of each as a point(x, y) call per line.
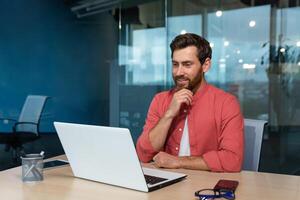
point(190, 39)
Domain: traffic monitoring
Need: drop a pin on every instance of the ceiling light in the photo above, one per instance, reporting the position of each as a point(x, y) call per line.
point(226, 43)
point(298, 63)
point(93, 7)
point(211, 44)
point(298, 44)
point(252, 23)
point(219, 13)
point(282, 50)
point(183, 32)
point(222, 60)
point(222, 65)
point(238, 51)
point(249, 66)
point(241, 61)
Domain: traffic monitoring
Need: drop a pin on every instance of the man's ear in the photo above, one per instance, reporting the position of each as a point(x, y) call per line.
point(206, 65)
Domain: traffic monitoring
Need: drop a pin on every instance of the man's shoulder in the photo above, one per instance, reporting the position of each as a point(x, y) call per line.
point(163, 94)
point(220, 93)
point(223, 99)
point(162, 99)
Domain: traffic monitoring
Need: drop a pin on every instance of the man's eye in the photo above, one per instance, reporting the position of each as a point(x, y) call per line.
point(187, 64)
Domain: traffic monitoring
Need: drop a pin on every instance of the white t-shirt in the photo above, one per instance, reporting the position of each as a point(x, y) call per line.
point(185, 141)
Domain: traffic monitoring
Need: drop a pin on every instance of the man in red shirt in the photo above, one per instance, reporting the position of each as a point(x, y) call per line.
point(195, 125)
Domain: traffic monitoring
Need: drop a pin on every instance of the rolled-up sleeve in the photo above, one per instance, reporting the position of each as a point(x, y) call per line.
point(229, 156)
point(144, 148)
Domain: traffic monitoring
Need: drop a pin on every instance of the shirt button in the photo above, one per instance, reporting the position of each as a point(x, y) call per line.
point(180, 129)
point(176, 148)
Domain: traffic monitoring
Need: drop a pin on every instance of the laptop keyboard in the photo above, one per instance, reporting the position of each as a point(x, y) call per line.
point(153, 179)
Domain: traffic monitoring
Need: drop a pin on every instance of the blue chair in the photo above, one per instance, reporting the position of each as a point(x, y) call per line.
point(254, 130)
point(26, 128)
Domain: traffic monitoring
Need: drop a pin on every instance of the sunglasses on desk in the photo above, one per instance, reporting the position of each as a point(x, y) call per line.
point(209, 194)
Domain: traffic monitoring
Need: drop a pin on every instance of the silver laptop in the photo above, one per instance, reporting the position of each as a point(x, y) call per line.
point(107, 155)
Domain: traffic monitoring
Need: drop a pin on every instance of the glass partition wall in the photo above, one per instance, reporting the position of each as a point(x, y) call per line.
point(256, 57)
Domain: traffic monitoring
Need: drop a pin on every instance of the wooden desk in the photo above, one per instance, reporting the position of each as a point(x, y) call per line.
point(59, 184)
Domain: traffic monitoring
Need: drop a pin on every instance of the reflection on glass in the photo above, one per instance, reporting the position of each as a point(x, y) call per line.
point(236, 55)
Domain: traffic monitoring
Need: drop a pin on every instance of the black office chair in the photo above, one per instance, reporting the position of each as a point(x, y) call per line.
point(26, 128)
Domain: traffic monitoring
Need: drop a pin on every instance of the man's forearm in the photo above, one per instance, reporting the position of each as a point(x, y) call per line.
point(192, 162)
point(159, 133)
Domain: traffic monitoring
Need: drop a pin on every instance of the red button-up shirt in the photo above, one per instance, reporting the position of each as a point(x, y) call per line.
point(215, 127)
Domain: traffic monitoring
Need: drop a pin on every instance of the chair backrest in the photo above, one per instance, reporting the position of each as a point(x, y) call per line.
point(253, 139)
point(31, 112)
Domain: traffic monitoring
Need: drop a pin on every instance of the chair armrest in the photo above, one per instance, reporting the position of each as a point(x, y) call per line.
point(20, 123)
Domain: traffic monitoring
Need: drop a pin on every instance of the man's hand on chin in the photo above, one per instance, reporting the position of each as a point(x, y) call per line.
point(165, 160)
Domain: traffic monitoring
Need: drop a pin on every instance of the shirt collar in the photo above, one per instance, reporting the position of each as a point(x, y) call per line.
point(200, 92)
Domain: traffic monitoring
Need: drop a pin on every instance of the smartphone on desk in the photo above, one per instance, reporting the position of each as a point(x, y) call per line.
point(223, 184)
point(55, 163)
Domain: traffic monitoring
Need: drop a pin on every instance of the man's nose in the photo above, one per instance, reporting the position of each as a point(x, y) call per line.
point(179, 71)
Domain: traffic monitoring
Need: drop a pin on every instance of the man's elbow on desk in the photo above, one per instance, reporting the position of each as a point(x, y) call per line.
point(222, 163)
point(144, 155)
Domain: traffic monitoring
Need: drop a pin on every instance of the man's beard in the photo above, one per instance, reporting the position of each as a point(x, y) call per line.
point(192, 85)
